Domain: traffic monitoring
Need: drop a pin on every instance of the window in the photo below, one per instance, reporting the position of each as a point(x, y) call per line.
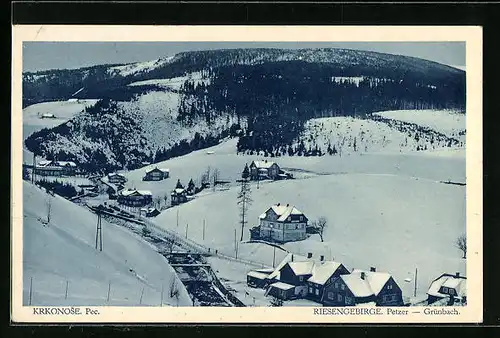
point(348, 300)
point(316, 292)
point(339, 298)
point(270, 225)
point(389, 287)
point(445, 289)
point(289, 219)
point(310, 290)
point(301, 278)
point(336, 286)
point(330, 295)
point(342, 286)
point(451, 291)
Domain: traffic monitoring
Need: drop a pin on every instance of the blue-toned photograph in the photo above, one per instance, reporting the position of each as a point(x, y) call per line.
point(244, 174)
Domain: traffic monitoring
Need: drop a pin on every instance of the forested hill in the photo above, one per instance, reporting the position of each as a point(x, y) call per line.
point(274, 91)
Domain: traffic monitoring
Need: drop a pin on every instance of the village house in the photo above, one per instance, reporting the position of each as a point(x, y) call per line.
point(47, 116)
point(297, 276)
point(178, 196)
point(450, 287)
point(363, 287)
point(116, 178)
point(261, 170)
point(283, 223)
point(156, 174)
point(135, 198)
point(55, 168)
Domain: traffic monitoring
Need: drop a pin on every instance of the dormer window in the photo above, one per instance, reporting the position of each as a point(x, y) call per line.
point(445, 289)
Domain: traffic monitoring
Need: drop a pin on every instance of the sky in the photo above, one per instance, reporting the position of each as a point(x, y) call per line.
point(66, 55)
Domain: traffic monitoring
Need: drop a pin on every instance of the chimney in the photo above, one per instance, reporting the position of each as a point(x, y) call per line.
point(321, 258)
point(362, 275)
point(278, 204)
point(372, 269)
point(287, 205)
point(309, 255)
point(457, 274)
point(292, 257)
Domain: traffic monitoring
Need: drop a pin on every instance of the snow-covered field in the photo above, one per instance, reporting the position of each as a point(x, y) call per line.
point(447, 122)
point(139, 67)
point(175, 82)
point(63, 253)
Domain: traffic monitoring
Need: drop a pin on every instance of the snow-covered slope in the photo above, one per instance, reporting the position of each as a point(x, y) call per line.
point(175, 82)
point(448, 122)
point(62, 254)
point(139, 67)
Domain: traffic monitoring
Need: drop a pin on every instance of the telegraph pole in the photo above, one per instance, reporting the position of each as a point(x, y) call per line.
point(33, 169)
point(177, 217)
point(187, 226)
point(274, 256)
point(203, 229)
point(415, 290)
point(98, 234)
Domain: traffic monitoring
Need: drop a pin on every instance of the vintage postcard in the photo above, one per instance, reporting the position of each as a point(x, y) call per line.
point(247, 174)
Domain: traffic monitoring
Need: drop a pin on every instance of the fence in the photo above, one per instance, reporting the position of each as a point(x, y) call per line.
point(55, 290)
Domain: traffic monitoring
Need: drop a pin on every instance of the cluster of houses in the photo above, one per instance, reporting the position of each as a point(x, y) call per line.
point(55, 168)
point(326, 282)
point(330, 283)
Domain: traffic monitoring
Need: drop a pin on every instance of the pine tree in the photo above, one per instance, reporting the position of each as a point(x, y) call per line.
point(244, 198)
point(179, 185)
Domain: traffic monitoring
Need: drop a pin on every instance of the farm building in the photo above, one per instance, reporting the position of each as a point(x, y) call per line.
point(261, 170)
point(116, 178)
point(258, 278)
point(178, 196)
point(135, 198)
point(283, 223)
point(156, 174)
point(448, 286)
point(360, 287)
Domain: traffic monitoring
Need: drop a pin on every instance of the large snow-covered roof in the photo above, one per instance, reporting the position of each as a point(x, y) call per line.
point(288, 258)
point(359, 287)
point(302, 268)
point(322, 271)
point(263, 164)
point(283, 211)
point(376, 280)
point(256, 274)
point(282, 286)
point(157, 169)
point(450, 281)
point(136, 192)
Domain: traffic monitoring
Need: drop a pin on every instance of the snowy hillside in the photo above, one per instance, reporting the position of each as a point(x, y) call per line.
point(448, 122)
point(62, 254)
point(175, 82)
point(138, 67)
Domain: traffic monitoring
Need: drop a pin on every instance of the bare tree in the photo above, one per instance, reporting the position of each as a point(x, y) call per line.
point(215, 177)
point(48, 204)
point(165, 199)
point(174, 290)
point(461, 243)
point(321, 225)
point(158, 201)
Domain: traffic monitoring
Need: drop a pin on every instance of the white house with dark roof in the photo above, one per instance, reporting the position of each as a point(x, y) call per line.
point(265, 169)
point(362, 286)
point(450, 287)
point(283, 223)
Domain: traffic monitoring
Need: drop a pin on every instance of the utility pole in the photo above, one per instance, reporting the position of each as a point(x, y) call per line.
point(235, 240)
point(187, 226)
point(415, 290)
point(274, 256)
point(177, 217)
point(98, 234)
point(33, 169)
point(203, 229)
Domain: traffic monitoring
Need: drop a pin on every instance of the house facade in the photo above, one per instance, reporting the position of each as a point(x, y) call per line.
point(362, 287)
point(260, 170)
point(448, 286)
point(56, 168)
point(283, 223)
point(135, 198)
point(156, 174)
point(116, 178)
